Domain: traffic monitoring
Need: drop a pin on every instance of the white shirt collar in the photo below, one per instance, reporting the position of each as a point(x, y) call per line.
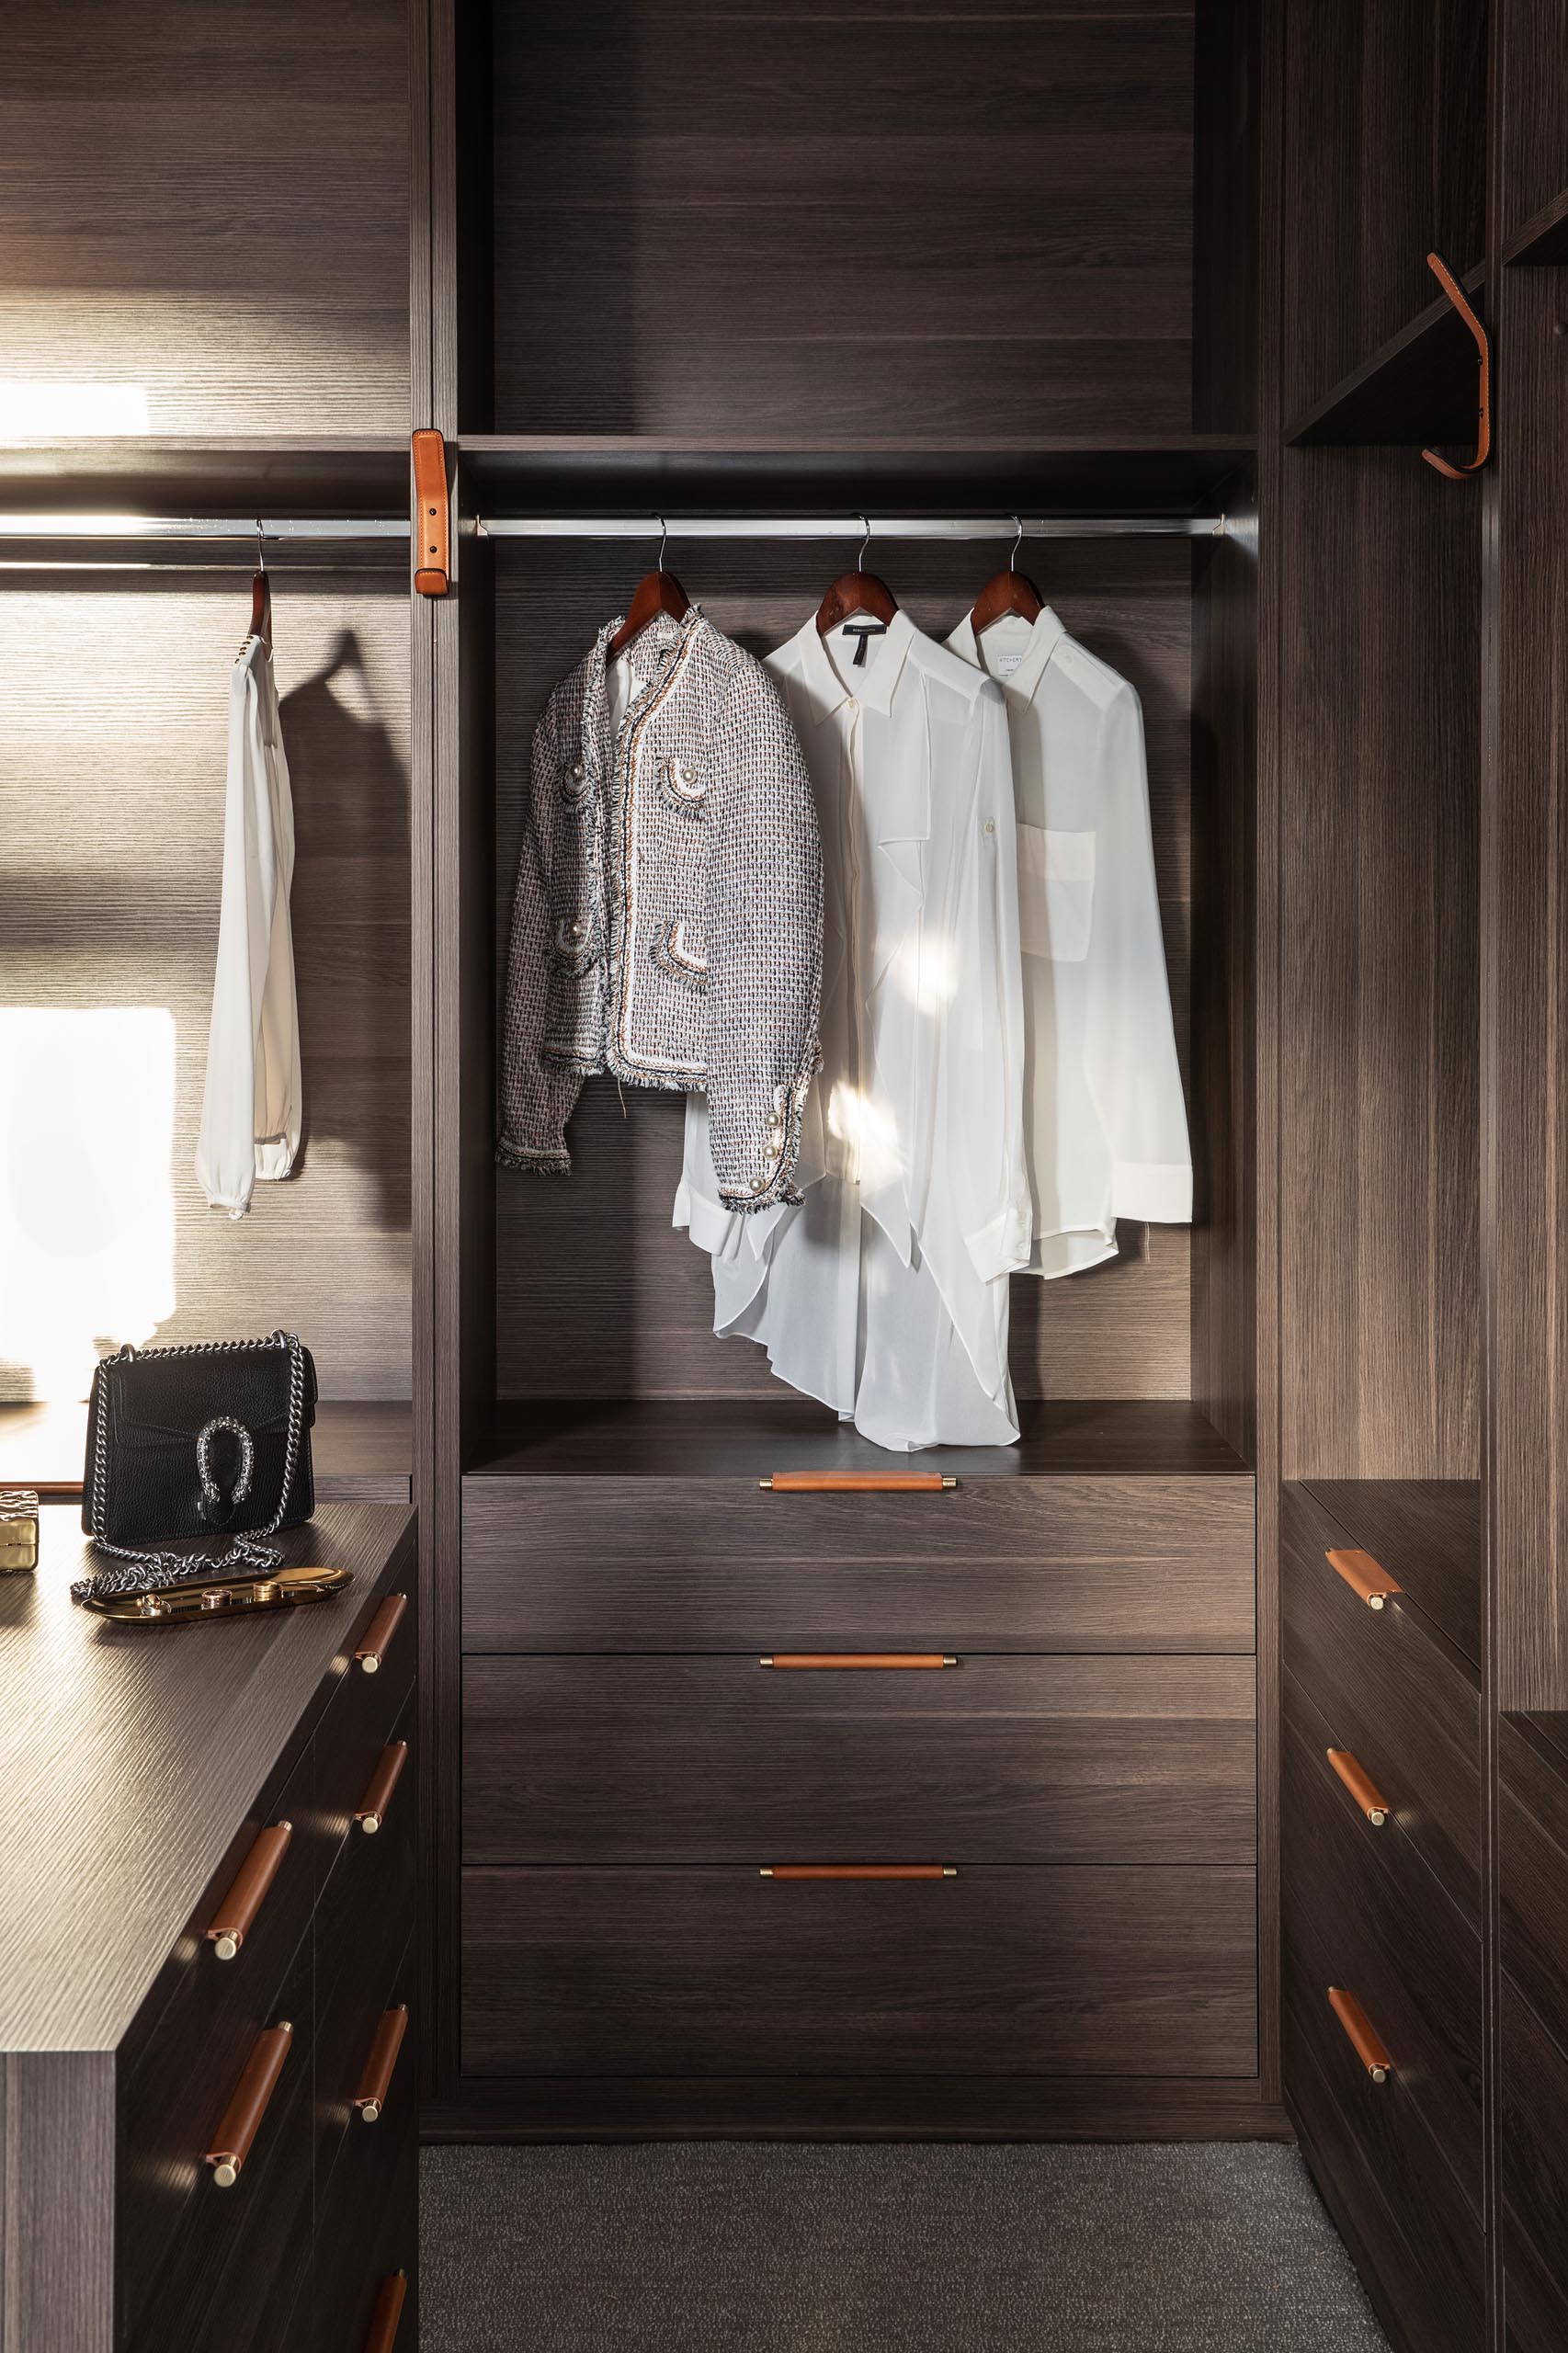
point(1045, 636)
point(825, 690)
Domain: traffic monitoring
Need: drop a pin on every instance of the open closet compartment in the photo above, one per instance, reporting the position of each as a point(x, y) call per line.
point(663, 308)
point(156, 406)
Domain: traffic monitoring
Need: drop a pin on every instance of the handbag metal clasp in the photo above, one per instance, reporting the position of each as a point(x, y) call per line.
point(215, 1510)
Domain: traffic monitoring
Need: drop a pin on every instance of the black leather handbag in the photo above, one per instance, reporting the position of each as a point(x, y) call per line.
point(211, 1439)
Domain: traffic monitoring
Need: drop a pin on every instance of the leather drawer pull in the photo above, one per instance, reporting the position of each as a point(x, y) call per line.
point(372, 1810)
point(235, 1915)
point(242, 2117)
point(857, 1483)
point(1361, 1785)
point(1365, 2040)
point(381, 2334)
point(1367, 1578)
point(376, 2081)
point(857, 1870)
point(814, 1660)
point(378, 1633)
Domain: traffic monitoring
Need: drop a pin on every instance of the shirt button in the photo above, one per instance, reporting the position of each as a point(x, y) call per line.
point(577, 930)
point(578, 771)
point(989, 826)
point(853, 704)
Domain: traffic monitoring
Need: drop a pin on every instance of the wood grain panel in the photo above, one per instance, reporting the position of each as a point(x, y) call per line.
point(1385, 158)
point(116, 707)
point(743, 120)
point(720, 1760)
point(597, 1295)
point(1525, 881)
point(1532, 1870)
point(1534, 2096)
point(169, 170)
point(57, 2167)
point(1380, 1284)
point(1080, 1970)
point(1534, 56)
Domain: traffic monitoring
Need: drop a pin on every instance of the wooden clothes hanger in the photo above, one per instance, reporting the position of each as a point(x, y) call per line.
point(657, 591)
point(1006, 592)
point(261, 594)
point(856, 592)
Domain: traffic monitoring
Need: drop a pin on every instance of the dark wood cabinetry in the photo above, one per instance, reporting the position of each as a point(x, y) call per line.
point(125, 2030)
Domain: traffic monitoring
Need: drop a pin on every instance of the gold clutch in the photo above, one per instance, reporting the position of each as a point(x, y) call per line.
point(223, 1598)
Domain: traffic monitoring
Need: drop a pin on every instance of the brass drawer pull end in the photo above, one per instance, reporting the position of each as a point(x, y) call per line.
point(380, 1632)
point(376, 2082)
point(242, 2117)
point(236, 1913)
point(371, 1812)
point(1368, 1798)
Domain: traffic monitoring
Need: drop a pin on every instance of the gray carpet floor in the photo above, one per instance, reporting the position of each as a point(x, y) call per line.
point(701, 2248)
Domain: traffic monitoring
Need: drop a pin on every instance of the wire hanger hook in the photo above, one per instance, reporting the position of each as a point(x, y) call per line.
point(1018, 544)
point(663, 537)
point(260, 546)
point(866, 527)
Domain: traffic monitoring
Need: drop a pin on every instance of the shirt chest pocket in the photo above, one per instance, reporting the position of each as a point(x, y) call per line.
point(1056, 893)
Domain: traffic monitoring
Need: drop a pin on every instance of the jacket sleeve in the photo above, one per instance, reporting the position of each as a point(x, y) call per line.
point(763, 926)
point(536, 1099)
point(1129, 1054)
point(987, 1085)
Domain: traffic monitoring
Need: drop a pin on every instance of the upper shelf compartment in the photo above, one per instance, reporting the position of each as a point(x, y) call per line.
point(1170, 474)
point(1418, 389)
point(778, 223)
point(357, 475)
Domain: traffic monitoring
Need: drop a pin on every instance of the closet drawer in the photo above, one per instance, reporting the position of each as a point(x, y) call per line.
point(176, 2087)
point(1535, 2176)
point(362, 1930)
point(230, 2273)
point(369, 2232)
point(358, 2163)
point(722, 1760)
point(1141, 1970)
point(1391, 1690)
point(1428, 2256)
point(1533, 1870)
point(1362, 1911)
point(358, 1721)
point(993, 1564)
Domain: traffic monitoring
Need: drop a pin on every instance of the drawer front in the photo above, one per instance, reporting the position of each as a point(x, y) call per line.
point(363, 1929)
point(1425, 2258)
point(176, 2087)
point(1533, 1872)
point(366, 2198)
point(230, 2272)
point(998, 1565)
point(720, 1760)
point(1535, 2177)
point(359, 1723)
point(1362, 1910)
point(1390, 1691)
point(1141, 1970)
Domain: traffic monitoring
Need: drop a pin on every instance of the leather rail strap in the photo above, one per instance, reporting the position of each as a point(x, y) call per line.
point(432, 515)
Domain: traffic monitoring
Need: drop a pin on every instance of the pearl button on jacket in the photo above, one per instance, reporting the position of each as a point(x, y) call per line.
point(884, 1292)
point(1105, 1122)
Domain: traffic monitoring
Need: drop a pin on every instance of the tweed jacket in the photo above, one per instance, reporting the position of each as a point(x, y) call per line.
point(668, 917)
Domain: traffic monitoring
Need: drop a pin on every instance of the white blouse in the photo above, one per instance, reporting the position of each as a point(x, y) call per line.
point(1105, 1122)
point(250, 1109)
point(885, 1292)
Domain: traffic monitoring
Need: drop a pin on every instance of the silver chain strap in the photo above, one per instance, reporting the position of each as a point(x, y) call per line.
point(175, 1568)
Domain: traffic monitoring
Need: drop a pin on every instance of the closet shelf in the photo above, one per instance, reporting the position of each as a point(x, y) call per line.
point(1077, 473)
point(358, 475)
point(749, 1438)
point(1419, 388)
point(1427, 1534)
point(362, 1450)
point(1542, 240)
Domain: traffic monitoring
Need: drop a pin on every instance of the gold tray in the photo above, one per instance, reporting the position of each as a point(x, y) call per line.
point(223, 1598)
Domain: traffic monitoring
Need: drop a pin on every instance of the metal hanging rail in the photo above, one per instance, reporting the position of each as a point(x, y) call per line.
point(844, 526)
point(124, 528)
